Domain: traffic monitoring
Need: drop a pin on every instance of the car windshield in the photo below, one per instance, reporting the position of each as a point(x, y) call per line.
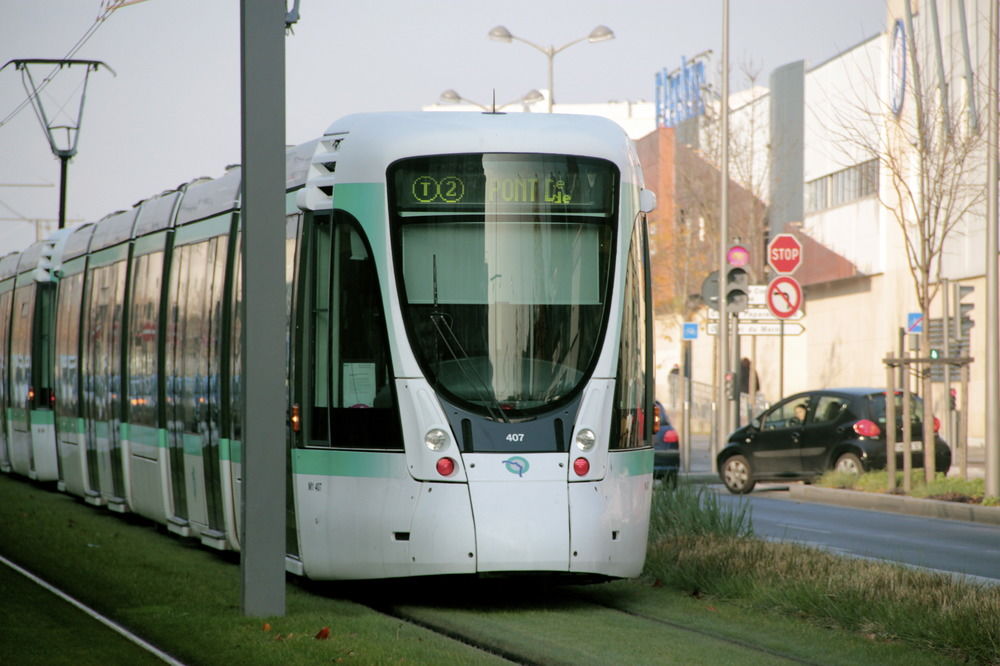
point(504, 262)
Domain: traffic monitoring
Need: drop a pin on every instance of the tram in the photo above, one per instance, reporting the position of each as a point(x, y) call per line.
point(469, 383)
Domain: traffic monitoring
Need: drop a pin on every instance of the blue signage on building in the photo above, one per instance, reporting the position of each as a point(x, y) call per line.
point(679, 93)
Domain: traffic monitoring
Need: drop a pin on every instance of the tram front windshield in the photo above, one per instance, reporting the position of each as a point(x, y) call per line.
point(504, 262)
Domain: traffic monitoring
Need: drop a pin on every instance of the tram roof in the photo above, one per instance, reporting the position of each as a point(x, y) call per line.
point(385, 137)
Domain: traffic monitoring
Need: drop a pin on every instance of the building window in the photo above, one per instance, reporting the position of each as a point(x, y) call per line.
point(842, 187)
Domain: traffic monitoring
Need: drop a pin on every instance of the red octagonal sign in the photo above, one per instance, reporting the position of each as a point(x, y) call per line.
point(784, 253)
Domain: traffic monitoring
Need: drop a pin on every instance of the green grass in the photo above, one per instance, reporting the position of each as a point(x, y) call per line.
point(879, 600)
point(183, 598)
point(942, 487)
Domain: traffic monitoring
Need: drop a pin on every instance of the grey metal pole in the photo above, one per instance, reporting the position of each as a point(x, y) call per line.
point(63, 170)
point(907, 422)
point(552, 56)
point(992, 251)
point(946, 288)
point(890, 424)
point(264, 463)
point(723, 337)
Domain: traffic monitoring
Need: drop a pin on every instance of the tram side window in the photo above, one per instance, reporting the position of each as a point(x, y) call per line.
point(631, 383)
point(143, 338)
point(195, 360)
point(67, 344)
point(20, 347)
point(292, 222)
point(353, 399)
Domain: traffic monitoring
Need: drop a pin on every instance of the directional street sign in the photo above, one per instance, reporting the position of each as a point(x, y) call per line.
point(760, 328)
point(914, 322)
point(784, 253)
point(690, 331)
point(757, 314)
point(784, 296)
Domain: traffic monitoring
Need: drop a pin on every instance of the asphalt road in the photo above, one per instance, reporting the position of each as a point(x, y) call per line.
point(955, 546)
point(946, 545)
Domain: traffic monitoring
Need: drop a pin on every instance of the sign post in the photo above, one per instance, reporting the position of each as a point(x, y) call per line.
point(784, 294)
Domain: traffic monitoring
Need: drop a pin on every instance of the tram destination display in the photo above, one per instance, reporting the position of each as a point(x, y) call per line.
point(504, 182)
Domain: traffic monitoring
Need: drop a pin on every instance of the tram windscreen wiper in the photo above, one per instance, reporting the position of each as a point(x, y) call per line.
point(458, 353)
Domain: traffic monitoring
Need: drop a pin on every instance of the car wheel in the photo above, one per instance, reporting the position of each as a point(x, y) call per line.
point(849, 464)
point(737, 476)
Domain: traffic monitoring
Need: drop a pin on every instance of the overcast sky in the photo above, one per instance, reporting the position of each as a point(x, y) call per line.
point(171, 111)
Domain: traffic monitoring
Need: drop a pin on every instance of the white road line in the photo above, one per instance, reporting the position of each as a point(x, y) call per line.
point(111, 624)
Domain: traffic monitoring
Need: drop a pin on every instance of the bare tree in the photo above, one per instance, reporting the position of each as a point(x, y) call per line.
point(932, 162)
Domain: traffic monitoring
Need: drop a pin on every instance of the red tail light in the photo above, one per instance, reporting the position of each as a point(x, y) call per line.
point(581, 466)
point(52, 399)
point(296, 418)
point(867, 428)
point(937, 424)
point(445, 466)
point(31, 394)
point(670, 436)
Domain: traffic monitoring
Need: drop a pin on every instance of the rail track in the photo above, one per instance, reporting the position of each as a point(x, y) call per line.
point(535, 622)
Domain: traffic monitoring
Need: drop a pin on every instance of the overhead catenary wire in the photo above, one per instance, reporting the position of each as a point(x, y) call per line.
point(108, 8)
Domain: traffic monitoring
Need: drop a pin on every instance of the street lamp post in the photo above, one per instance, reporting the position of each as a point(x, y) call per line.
point(450, 96)
point(601, 33)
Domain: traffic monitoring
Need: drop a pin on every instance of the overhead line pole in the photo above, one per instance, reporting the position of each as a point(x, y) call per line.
point(263, 363)
point(992, 292)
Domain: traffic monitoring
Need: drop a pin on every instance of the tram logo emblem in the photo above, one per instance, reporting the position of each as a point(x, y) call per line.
point(517, 465)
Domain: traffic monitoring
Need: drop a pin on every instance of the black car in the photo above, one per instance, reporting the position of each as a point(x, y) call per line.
point(805, 435)
point(666, 454)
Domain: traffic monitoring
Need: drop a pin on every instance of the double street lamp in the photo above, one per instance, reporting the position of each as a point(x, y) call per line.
point(601, 33)
point(452, 97)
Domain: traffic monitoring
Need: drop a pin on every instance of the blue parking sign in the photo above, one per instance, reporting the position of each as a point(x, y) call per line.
point(914, 322)
point(690, 331)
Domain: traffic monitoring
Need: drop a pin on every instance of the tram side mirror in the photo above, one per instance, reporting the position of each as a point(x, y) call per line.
point(647, 200)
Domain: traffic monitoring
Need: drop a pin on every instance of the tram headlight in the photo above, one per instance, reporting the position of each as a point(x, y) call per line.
point(585, 439)
point(436, 439)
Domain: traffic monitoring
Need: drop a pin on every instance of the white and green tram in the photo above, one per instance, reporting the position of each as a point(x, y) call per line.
point(469, 351)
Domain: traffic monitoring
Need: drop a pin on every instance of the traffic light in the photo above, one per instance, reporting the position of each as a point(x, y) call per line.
point(962, 320)
point(710, 290)
point(731, 385)
point(951, 399)
point(935, 354)
point(737, 289)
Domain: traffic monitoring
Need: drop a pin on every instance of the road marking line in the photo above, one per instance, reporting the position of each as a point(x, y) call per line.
point(111, 624)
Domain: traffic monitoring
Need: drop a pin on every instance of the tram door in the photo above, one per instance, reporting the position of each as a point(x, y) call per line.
point(102, 372)
point(19, 401)
point(193, 376)
point(6, 296)
point(350, 414)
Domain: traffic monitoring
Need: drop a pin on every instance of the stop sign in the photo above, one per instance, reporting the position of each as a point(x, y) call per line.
point(784, 253)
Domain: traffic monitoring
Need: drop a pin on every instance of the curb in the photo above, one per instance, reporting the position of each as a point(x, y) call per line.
point(913, 506)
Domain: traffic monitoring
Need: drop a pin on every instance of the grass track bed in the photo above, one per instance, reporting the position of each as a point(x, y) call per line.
point(185, 600)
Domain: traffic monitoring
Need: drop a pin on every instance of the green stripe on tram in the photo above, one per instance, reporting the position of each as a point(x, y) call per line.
point(72, 425)
point(364, 464)
point(635, 462)
point(43, 417)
